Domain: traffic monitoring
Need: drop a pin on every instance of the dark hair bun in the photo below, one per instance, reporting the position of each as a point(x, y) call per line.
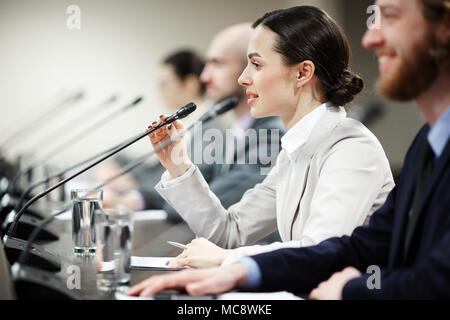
point(348, 86)
point(308, 33)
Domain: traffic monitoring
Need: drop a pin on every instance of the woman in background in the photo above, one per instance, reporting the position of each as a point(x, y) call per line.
point(178, 81)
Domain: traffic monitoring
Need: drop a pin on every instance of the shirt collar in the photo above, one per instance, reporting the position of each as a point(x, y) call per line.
point(244, 122)
point(439, 134)
point(300, 132)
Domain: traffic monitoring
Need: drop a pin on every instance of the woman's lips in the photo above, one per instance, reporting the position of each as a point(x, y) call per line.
point(252, 97)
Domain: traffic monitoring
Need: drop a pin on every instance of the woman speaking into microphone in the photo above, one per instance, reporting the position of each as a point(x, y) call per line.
point(332, 172)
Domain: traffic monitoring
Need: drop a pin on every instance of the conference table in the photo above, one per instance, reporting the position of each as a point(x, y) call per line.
point(149, 239)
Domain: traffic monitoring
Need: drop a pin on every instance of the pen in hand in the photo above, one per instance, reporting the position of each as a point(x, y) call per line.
point(178, 245)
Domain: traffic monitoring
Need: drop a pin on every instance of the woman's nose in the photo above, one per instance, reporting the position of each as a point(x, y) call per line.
point(244, 79)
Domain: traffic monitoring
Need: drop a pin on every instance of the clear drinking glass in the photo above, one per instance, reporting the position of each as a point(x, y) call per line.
point(56, 198)
point(114, 229)
point(85, 203)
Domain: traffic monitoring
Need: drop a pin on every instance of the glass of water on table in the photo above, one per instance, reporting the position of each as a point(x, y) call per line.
point(114, 228)
point(85, 203)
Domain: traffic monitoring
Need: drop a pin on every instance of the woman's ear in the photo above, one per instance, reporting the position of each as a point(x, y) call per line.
point(305, 72)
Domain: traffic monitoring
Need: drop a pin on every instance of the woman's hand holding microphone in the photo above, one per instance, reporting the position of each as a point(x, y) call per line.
point(173, 157)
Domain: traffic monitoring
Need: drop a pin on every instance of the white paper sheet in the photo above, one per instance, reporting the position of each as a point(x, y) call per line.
point(108, 266)
point(65, 216)
point(122, 296)
point(151, 263)
point(150, 215)
point(147, 215)
point(283, 295)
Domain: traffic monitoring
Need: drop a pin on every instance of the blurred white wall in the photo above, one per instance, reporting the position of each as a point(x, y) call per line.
point(117, 50)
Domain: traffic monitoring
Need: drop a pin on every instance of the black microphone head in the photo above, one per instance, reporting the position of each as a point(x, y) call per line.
point(181, 113)
point(137, 101)
point(74, 97)
point(226, 105)
point(134, 103)
point(220, 108)
point(78, 96)
point(186, 110)
point(112, 99)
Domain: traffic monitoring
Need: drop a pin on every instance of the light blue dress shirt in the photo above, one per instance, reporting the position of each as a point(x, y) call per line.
point(440, 133)
point(437, 138)
point(253, 273)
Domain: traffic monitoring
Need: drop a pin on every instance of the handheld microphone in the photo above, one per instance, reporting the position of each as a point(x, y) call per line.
point(9, 237)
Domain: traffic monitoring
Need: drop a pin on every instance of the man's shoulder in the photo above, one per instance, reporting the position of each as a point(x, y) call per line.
point(213, 124)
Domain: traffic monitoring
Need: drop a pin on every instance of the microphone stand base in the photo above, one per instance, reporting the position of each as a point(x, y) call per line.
point(27, 225)
point(34, 284)
point(38, 256)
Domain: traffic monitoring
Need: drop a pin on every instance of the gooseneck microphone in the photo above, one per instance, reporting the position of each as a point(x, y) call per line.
point(183, 112)
point(63, 146)
point(8, 187)
point(61, 173)
point(220, 108)
point(179, 114)
point(57, 133)
point(41, 120)
point(28, 279)
point(42, 257)
point(68, 143)
point(27, 191)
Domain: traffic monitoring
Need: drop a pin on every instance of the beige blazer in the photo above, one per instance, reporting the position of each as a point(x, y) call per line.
point(325, 188)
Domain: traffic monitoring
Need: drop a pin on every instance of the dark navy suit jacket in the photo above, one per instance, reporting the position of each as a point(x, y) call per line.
point(424, 274)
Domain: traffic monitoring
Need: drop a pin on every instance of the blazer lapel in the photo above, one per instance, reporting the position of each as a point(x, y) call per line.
point(403, 203)
point(294, 186)
point(301, 159)
point(405, 196)
point(433, 182)
point(436, 175)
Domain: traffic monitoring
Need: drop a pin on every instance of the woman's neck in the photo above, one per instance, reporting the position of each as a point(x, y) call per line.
point(304, 106)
